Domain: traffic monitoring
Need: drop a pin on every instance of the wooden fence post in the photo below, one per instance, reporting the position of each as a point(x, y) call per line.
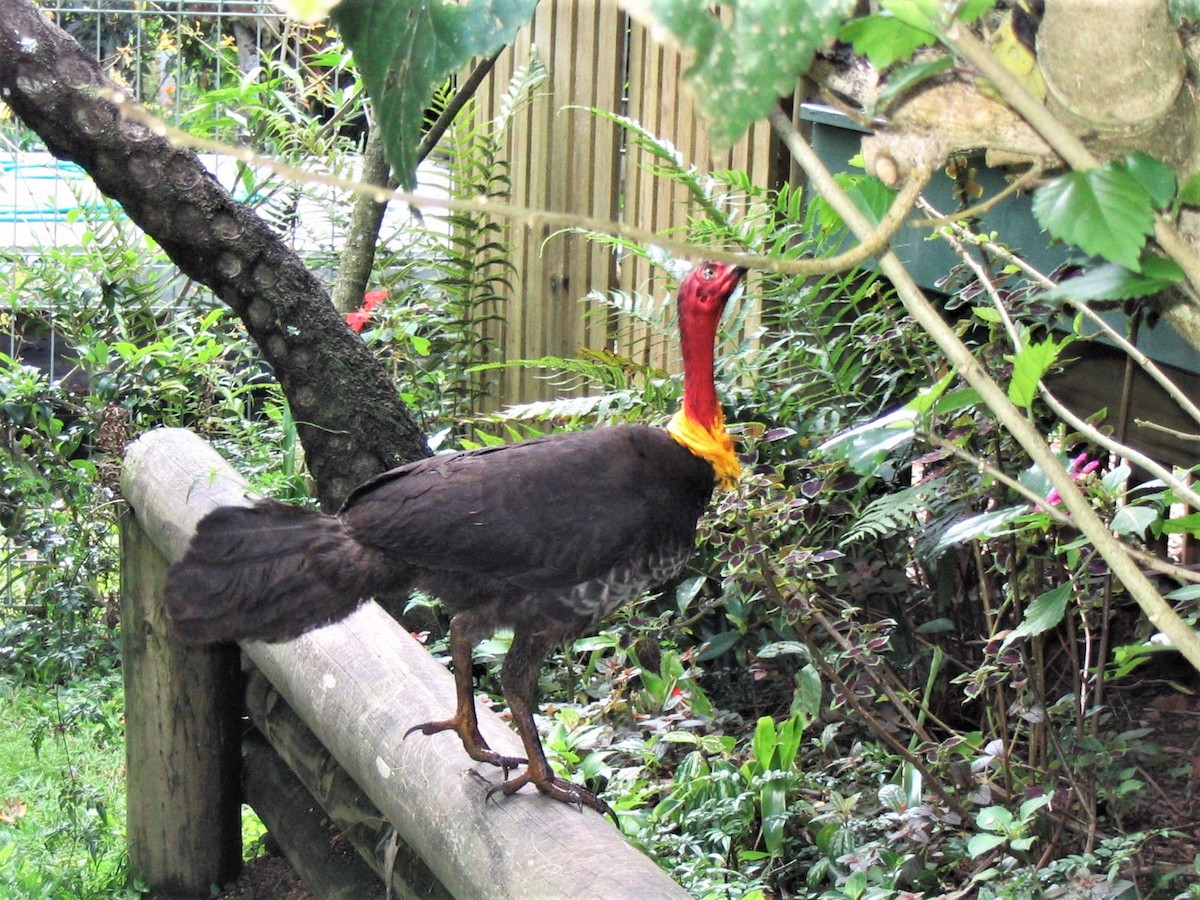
point(182, 742)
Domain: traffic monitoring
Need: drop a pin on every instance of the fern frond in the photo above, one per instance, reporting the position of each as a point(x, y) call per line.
point(900, 512)
point(654, 312)
point(525, 80)
point(572, 409)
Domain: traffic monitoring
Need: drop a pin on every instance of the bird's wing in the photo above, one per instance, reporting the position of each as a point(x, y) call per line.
point(543, 513)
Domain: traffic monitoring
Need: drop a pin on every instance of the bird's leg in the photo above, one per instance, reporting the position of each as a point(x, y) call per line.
point(465, 633)
point(518, 679)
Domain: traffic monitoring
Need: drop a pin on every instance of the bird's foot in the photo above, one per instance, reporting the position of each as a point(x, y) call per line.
point(558, 788)
point(472, 742)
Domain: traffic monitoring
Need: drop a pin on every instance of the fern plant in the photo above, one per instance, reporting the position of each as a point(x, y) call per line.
point(448, 284)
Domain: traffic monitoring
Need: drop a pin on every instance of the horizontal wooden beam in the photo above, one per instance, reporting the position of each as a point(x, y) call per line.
point(328, 865)
point(360, 684)
point(349, 812)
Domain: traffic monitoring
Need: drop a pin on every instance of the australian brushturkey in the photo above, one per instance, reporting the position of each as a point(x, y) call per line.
point(546, 536)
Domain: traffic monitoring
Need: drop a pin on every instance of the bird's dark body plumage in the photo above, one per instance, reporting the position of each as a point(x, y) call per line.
point(484, 530)
point(546, 536)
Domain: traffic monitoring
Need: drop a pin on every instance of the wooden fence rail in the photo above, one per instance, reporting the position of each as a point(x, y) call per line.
point(357, 686)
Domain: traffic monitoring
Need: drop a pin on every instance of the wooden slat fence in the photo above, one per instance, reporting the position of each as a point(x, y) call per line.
point(569, 160)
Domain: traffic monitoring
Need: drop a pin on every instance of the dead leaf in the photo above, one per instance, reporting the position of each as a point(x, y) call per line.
point(12, 810)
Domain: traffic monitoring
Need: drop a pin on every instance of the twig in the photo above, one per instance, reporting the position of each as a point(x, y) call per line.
point(872, 242)
point(1060, 138)
point(1181, 635)
point(1017, 185)
point(1154, 426)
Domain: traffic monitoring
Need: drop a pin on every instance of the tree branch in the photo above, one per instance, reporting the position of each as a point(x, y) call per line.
point(56, 88)
point(1156, 608)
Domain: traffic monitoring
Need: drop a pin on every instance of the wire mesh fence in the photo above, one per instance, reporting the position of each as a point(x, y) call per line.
point(67, 254)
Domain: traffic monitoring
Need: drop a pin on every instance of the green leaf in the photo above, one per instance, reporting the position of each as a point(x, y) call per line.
point(1189, 194)
point(742, 68)
point(1154, 175)
point(885, 39)
point(406, 49)
point(956, 400)
point(1043, 614)
point(870, 195)
point(763, 743)
point(1189, 524)
point(994, 818)
point(1029, 365)
point(1133, 520)
point(806, 698)
point(1112, 282)
point(718, 644)
point(773, 801)
point(980, 844)
point(977, 526)
point(866, 446)
point(1104, 211)
point(1187, 592)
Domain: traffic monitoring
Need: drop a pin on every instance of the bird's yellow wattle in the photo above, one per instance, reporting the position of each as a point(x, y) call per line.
point(711, 443)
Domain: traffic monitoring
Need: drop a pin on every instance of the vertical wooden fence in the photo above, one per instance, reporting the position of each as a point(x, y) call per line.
point(335, 704)
point(566, 159)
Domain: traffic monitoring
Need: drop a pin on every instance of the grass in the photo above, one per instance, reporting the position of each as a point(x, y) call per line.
point(62, 797)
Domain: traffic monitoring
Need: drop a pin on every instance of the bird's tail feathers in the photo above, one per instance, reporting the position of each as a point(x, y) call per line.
point(269, 572)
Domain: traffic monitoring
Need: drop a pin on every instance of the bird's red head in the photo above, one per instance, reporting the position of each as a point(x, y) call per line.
point(708, 287)
point(700, 425)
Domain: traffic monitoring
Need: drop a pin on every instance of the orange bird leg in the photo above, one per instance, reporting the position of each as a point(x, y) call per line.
point(464, 635)
point(518, 678)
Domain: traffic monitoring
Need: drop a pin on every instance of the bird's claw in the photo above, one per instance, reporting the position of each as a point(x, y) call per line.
point(557, 788)
point(475, 746)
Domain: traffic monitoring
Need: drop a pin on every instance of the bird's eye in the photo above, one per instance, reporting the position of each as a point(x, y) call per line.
point(708, 272)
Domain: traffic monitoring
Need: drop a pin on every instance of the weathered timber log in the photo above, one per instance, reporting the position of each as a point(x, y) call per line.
point(358, 822)
point(182, 705)
point(328, 866)
point(360, 684)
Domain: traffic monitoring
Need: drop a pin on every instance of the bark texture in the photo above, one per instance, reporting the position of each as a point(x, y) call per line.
point(350, 418)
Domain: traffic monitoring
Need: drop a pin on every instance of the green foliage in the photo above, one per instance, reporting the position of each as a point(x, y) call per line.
point(447, 285)
point(1104, 211)
point(407, 49)
point(1030, 365)
point(744, 65)
point(61, 759)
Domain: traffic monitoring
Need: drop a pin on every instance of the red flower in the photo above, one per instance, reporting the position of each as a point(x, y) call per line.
point(358, 319)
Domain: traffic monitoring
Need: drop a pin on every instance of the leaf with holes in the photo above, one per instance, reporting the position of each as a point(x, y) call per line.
point(1104, 211)
point(406, 49)
point(742, 67)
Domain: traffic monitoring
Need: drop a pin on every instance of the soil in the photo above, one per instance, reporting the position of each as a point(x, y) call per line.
point(267, 878)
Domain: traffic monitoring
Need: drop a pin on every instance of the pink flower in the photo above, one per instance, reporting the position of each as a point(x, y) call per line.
point(1076, 468)
point(357, 319)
